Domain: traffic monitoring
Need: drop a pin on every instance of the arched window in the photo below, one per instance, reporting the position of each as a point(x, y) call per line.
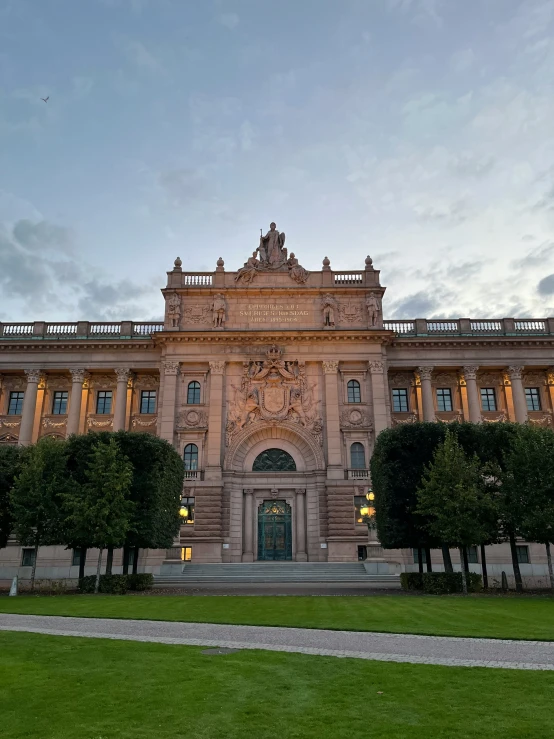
point(354, 394)
point(191, 457)
point(193, 393)
point(274, 460)
point(357, 456)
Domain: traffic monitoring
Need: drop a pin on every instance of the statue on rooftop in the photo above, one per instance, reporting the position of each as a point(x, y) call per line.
point(248, 272)
point(374, 311)
point(218, 311)
point(296, 271)
point(271, 248)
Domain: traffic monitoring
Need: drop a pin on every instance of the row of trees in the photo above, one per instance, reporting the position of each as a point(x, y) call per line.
point(464, 485)
point(102, 490)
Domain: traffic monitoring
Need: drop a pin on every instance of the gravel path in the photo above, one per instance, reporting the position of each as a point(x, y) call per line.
point(434, 650)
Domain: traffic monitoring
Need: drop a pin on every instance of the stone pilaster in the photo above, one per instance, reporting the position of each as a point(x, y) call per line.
point(425, 374)
point(474, 405)
point(215, 422)
point(518, 394)
point(123, 374)
point(379, 392)
point(170, 370)
point(74, 414)
point(301, 555)
point(29, 406)
point(334, 458)
point(248, 524)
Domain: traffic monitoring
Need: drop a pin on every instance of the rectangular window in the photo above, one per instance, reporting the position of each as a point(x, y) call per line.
point(416, 556)
point(488, 399)
point(186, 554)
point(472, 557)
point(400, 400)
point(522, 554)
point(444, 399)
point(76, 558)
point(533, 398)
point(187, 510)
point(59, 405)
point(130, 557)
point(362, 553)
point(28, 557)
point(15, 406)
point(148, 401)
point(104, 402)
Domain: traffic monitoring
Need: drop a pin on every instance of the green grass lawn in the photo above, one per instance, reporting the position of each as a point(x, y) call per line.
point(495, 616)
point(76, 688)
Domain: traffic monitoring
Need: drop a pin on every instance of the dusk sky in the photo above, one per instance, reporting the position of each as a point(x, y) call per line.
point(420, 132)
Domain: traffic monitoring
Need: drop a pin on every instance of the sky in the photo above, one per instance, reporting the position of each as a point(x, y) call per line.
point(419, 132)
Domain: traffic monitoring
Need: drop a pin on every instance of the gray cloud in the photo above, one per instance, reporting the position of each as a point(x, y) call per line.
point(535, 257)
point(43, 279)
point(546, 286)
point(418, 305)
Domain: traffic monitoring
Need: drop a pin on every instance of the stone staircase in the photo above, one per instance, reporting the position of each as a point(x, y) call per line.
point(276, 572)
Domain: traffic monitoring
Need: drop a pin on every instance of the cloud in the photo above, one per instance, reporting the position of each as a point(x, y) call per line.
point(42, 278)
point(462, 60)
point(535, 257)
point(546, 286)
point(417, 305)
point(229, 20)
point(422, 12)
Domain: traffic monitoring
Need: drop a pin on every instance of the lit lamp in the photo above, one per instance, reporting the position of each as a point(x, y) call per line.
point(184, 511)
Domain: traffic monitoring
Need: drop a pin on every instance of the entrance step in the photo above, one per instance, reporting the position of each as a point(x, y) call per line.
point(275, 572)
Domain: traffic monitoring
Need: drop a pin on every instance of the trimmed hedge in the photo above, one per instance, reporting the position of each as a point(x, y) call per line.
point(117, 584)
point(440, 583)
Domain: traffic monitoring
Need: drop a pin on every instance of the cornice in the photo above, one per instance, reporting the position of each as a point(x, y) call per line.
point(26, 345)
point(297, 336)
point(462, 341)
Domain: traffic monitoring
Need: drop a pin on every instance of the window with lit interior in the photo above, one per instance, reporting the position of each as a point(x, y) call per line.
point(186, 510)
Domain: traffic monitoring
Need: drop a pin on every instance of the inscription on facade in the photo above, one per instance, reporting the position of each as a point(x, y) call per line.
point(274, 313)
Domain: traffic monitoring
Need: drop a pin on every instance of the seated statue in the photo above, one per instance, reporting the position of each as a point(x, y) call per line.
point(296, 271)
point(249, 271)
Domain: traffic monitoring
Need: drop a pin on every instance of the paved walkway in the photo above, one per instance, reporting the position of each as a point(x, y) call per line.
point(434, 650)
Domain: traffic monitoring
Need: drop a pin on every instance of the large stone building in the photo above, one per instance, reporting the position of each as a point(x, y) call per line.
point(272, 383)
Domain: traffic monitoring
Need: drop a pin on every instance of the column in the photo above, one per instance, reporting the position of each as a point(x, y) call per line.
point(470, 375)
point(167, 409)
point(248, 552)
point(215, 422)
point(301, 555)
point(518, 394)
point(379, 392)
point(334, 457)
point(73, 417)
point(123, 374)
point(29, 406)
point(425, 374)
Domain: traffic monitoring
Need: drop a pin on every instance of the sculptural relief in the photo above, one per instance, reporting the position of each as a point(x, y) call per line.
point(174, 310)
point(329, 307)
point(273, 390)
point(374, 312)
point(218, 311)
point(355, 418)
point(350, 313)
point(197, 313)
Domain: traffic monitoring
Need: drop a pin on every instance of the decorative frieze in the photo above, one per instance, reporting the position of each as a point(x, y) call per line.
point(376, 367)
point(534, 378)
point(198, 314)
point(171, 367)
point(330, 367)
point(192, 418)
point(57, 382)
point(101, 424)
point(544, 419)
point(398, 420)
point(355, 418)
point(401, 379)
point(217, 368)
point(53, 423)
point(101, 382)
point(144, 422)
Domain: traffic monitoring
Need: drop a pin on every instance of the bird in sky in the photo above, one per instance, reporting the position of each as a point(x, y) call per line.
point(46, 99)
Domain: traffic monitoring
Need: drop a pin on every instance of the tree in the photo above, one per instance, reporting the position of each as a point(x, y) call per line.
point(10, 460)
point(37, 495)
point(454, 500)
point(100, 510)
point(397, 465)
point(528, 483)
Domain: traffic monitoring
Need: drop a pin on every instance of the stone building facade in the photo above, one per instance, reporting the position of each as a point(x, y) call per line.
point(272, 382)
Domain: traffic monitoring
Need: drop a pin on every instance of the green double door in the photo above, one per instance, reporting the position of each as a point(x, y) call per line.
point(274, 531)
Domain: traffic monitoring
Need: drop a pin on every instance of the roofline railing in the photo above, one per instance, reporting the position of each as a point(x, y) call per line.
point(80, 330)
point(472, 327)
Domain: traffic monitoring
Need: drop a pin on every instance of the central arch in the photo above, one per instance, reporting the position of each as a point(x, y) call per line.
point(265, 435)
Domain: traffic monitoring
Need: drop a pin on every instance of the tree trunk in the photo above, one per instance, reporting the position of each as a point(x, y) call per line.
point(549, 560)
point(125, 560)
point(34, 568)
point(109, 561)
point(135, 560)
point(465, 563)
point(420, 560)
point(447, 559)
point(484, 567)
point(82, 560)
point(515, 563)
point(98, 568)
point(464, 574)
point(428, 558)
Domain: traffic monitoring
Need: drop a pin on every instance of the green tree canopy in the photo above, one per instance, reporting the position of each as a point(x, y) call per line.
point(10, 460)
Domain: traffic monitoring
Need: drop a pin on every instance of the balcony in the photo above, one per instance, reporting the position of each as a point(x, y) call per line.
point(357, 474)
point(194, 475)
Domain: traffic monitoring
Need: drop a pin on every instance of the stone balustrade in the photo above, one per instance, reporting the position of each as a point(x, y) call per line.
point(79, 330)
point(472, 327)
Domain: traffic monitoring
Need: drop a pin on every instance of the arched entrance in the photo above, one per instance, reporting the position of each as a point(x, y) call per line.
point(274, 531)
